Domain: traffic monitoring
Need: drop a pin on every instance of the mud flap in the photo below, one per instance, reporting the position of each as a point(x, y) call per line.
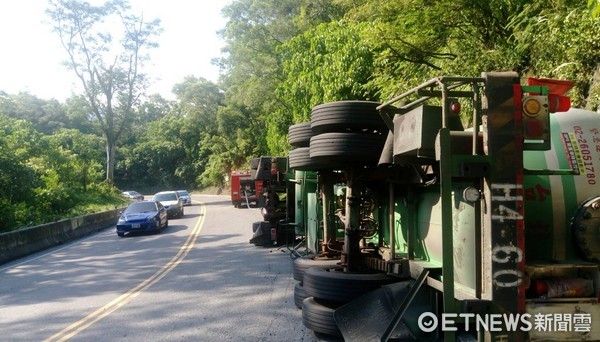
point(262, 235)
point(376, 315)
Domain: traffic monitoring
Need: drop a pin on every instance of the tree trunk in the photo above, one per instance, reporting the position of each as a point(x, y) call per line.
point(111, 151)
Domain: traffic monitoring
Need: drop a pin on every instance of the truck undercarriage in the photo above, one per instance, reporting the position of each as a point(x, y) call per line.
point(463, 209)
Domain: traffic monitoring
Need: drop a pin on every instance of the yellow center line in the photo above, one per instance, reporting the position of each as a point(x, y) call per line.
point(128, 296)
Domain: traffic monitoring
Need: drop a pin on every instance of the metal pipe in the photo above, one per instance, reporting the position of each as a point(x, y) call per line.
point(326, 186)
point(476, 114)
point(445, 105)
point(392, 224)
point(351, 220)
point(399, 97)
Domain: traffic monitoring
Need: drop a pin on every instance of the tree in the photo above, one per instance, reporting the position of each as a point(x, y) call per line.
point(560, 40)
point(85, 153)
point(18, 143)
point(253, 66)
point(241, 134)
point(327, 63)
point(79, 115)
point(110, 74)
point(418, 39)
point(45, 116)
point(176, 146)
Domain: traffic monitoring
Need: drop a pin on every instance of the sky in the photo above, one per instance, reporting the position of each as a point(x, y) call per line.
point(31, 55)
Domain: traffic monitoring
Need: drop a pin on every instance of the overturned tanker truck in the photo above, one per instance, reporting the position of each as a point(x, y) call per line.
point(416, 227)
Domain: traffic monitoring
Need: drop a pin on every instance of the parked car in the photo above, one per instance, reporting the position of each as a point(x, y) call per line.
point(186, 198)
point(171, 201)
point(133, 195)
point(142, 216)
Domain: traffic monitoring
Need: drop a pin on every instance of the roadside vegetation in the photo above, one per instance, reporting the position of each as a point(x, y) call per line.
point(46, 177)
point(60, 159)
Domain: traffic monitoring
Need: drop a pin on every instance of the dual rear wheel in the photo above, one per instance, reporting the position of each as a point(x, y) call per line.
point(340, 135)
point(323, 287)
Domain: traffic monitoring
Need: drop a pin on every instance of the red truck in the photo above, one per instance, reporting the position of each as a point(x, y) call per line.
point(245, 189)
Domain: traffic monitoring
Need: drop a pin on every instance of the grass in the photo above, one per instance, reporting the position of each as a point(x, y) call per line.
point(94, 202)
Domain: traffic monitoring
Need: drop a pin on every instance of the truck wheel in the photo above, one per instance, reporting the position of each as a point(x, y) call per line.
point(299, 295)
point(318, 316)
point(332, 284)
point(347, 148)
point(299, 159)
point(301, 264)
point(299, 135)
point(344, 116)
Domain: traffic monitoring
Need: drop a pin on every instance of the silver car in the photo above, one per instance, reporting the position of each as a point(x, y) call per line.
point(133, 195)
point(171, 201)
point(186, 198)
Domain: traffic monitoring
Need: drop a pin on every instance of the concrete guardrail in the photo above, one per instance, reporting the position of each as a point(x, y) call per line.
point(22, 242)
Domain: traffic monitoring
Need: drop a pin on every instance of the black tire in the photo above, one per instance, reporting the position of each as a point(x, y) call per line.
point(344, 116)
point(121, 234)
point(347, 148)
point(299, 135)
point(318, 317)
point(299, 159)
point(299, 295)
point(331, 284)
point(301, 264)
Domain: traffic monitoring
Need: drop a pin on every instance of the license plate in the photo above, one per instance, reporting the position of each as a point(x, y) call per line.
point(135, 225)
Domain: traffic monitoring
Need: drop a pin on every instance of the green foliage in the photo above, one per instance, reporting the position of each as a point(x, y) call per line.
point(254, 35)
point(80, 116)
point(46, 116)
point(17, 176)
point(561, 41)
point(594, 7)
point(46, 178)
point(240, 134)
point(172, 151)
point(417, 40)
point(327, 63)
point(79, 157)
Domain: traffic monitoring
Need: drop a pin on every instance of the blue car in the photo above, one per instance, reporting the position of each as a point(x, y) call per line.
point(143, 216)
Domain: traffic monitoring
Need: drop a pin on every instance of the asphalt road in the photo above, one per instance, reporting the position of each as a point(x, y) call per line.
point(199, 280)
